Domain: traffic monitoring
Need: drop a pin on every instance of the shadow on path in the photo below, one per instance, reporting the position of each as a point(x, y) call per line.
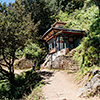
point(46, 75)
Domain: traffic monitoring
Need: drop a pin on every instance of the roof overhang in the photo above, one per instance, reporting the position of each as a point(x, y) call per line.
point(64, 30)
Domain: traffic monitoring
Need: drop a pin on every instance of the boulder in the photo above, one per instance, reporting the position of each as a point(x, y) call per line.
point(61, 60)
point(23, 64)
point(91, 88)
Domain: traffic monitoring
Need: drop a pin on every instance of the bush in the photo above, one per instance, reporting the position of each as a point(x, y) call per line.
point(34, 52)
point(24, 83)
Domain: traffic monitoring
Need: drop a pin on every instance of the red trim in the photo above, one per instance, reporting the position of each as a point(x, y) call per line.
point(72, 33)
point(65, 32)
point(50, 38)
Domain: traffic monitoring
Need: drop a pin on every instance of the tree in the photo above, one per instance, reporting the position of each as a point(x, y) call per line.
point(97, 2)
point(34, 52)
point(16, 28)
point(39, 12)
point(65, 5)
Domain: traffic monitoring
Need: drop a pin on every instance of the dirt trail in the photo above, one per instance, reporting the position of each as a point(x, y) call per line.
point(60, 86)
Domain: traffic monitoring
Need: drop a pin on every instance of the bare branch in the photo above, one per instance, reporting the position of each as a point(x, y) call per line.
point(4, 72)
point(4, 65)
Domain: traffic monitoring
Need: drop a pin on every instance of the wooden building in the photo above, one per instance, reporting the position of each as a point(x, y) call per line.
point(59, 37)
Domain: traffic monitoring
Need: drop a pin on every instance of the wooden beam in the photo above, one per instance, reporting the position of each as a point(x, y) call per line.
point(65, 32)
point(50, 38)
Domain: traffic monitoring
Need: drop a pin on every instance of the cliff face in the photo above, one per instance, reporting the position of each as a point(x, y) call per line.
point(62, 61)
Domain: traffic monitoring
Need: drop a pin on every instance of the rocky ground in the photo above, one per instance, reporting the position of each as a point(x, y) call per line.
point(60, 86)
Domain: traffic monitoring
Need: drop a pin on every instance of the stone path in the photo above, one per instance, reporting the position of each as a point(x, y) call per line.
point(60, 86)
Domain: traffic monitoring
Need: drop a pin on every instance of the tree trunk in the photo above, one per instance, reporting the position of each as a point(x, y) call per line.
point(11, 74)
point(11, 77)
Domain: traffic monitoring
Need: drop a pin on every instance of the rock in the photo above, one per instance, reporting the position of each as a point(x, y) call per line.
point(24, 64)
point(61, 60)
point(94, 72)
point(63, 98)
point(92, 87)
point(60, 63)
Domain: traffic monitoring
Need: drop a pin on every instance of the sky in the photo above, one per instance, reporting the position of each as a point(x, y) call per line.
point(7, 1)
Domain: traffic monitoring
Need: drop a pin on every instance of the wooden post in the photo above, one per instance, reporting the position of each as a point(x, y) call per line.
point(68, 43)
point(59, 42)
point(55, 43)
point(64, 41)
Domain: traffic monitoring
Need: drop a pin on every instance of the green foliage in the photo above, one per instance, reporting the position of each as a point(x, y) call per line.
point(35, 52)
point(87, 18)
point(39, 12)
point(92, 44)
point(32, 50)
point(24, 83)
point(88, 52)
point(80, 19)
point(19, 53)
point(97, 2)
point(95, 27)
point(70, 5)
point(4, 89)
point(54, 5)
point(16, 29)
point(37, 92)
point(91, 51)
point(64, 5)
point(78, 54)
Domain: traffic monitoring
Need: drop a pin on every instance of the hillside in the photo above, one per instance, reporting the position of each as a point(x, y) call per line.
point(22, 24)
point(86, 19)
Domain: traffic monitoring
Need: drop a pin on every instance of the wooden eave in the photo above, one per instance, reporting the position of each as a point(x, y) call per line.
point(63, 30)
point(46, 33)
point(50, 38)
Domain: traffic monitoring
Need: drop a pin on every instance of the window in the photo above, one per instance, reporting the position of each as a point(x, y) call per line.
point(66, 44)
point(61, 43)
point(57, 43)
point(52, 45)
point(60, 26)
